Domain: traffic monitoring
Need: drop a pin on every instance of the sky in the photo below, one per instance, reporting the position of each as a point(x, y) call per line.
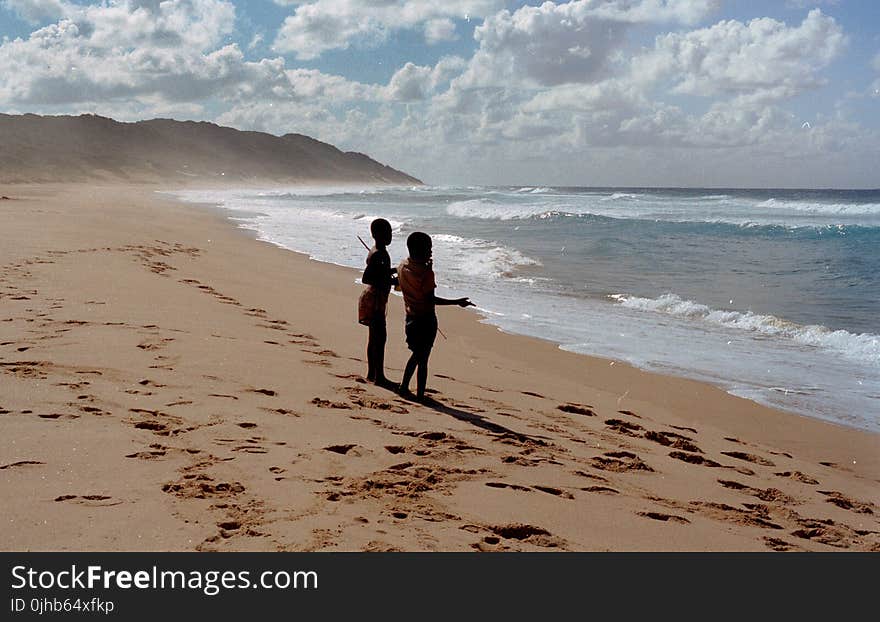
point(675, 93)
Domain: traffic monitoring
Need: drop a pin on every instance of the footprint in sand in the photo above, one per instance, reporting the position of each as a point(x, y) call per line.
point(778, 544)
point(694, 459)
point(798, 476)
point(282, 411)
point(601, 489)
point(556, 492)
point(90, 500)
point(577, 409)
point(147, 455)
point(530, 534)
point(842, 501)
point(21, 463)
point(624, 427)
point(340, 449)
point(322, 403)
point(511, 486)
point(764, 494)
point(629, 413)
point(739, 455)
point(620, 462)
point(755, 515)
point(664, 517)
point(366, 402)
point(673, 439)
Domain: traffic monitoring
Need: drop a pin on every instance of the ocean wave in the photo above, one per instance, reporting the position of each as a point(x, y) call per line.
point(488, 209)
point(483, 258)
point(863, 347)
point(619, 196)
point(833, 209)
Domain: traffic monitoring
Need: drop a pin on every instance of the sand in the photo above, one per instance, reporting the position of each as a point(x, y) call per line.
point(168, 383)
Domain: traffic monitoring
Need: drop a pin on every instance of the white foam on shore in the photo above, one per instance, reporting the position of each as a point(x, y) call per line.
point(863, 348)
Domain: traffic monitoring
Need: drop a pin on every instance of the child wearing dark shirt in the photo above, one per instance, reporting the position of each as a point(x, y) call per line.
point(379, 278)
point(416, 281)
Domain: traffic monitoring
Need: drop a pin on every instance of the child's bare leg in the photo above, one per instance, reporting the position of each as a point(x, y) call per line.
point(422, 375)
point(371, 364)
point(376, 352)
point(408, 372)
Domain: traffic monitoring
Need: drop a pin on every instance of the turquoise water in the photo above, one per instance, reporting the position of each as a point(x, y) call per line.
point(771, 294)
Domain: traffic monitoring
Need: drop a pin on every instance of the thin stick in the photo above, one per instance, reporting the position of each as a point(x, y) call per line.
point(364, 243)
point(441, 332)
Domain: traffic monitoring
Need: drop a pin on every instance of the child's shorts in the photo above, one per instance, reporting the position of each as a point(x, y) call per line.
point(372, 306)
point(421, 330)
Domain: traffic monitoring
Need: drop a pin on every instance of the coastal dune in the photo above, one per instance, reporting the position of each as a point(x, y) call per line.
point(170, 383)
point(161, 151)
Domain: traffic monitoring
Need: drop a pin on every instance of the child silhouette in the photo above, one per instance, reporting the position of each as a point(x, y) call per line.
point(379, 277)
point(416, 280)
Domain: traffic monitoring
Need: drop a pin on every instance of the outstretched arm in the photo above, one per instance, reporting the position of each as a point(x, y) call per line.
point(461, 302)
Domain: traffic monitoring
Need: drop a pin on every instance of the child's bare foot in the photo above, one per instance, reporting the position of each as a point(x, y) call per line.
point(383, 382)
point(405, 393)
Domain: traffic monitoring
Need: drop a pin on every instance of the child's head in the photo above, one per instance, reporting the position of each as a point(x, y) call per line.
point(419, 246)
point(380, 229)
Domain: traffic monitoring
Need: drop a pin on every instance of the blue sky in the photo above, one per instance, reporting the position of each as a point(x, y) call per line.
point(586, 92)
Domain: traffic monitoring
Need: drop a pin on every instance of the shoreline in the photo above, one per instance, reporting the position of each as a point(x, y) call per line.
point(203, 329)
point(736, 386)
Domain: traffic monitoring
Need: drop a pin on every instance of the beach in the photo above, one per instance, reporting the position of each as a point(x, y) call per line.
point(170, 383)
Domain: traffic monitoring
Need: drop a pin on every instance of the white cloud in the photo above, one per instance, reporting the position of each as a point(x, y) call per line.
point(733, 57)
point(551, 92)
point(35, 11)
point(413, 82)
point(322, 25)
point(441, 29)
point(572, 42)
point(171, 51)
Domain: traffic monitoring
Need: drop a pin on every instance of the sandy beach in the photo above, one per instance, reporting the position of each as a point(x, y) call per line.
point(168, 383)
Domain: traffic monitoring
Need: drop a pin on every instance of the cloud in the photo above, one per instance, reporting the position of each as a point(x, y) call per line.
point(169, 52)
point(36, 11)
point(734, 57)
point(414, 83)
point(555, 90)
point(321, 25)
point(437, 30)
point(573, 42)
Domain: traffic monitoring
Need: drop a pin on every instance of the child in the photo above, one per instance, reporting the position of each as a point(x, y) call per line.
point(416, 279)
point(379, 277)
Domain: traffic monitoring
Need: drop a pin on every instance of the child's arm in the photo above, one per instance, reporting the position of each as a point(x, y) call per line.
point(461, 302)
point(372, 274)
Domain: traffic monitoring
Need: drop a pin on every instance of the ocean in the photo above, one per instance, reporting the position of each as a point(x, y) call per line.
point(773, 295)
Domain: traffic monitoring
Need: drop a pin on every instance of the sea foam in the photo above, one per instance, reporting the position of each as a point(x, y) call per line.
point(863, 347)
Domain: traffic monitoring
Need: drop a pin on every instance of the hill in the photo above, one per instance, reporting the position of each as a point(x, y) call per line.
point(37, 148)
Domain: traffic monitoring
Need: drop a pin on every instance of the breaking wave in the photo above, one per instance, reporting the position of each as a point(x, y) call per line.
point(863, 347)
